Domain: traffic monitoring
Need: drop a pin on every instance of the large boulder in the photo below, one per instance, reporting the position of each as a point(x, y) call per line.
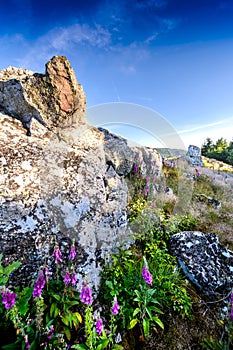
point(204, 261)
point(193, 155)
point(55, 186)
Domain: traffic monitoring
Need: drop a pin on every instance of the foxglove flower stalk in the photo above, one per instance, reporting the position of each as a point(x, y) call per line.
point(57, 255)
point(99, 326)
point(147, 276)
point(8, 299)
point(135, 168)
point(47, 274)
point(86, 295)
point(115, 308)
point(231, 301)
point(67, 279)
point(72, 253)
point(73, 280)
point(39, 285)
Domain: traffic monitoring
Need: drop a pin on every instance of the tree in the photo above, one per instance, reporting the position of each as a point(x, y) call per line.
point(207, 147)
point(221, 145)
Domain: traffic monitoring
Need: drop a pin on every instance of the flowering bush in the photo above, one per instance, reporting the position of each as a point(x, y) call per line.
point(53, 314)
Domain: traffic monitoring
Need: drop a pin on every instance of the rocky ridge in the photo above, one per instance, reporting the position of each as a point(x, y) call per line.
point(64, 183)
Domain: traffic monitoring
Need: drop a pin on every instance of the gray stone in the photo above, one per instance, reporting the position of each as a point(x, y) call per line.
point(193, 155)
point(118, 154)
point(204, 261)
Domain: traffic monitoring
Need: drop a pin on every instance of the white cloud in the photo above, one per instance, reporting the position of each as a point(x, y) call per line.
point(198, 134)
point(65, 40)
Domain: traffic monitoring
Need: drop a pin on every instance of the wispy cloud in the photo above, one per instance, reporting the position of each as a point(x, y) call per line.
point(197, 134)
point(65, 40)
point(84, 34)
point(206, 126)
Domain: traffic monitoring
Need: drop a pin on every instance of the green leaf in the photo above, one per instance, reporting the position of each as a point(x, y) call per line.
point(154, 301)
point(66, 320)
point(136, 311)
point(117, 347)
point(138, 294)
point(155, 309)
point(133, 323)
point(67, 333)
point(102, 344)
point(109, 284)
point(12, 267)
point(79, 347)
point(158, 321)
point(23, 300)
point(148, 312)
point(3, 281)
point(54, 311)
point(57, 297)
point(146, 326)
point(72, 303)
point(78, 316)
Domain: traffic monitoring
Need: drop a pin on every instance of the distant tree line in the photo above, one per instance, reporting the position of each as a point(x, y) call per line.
point(221, 150)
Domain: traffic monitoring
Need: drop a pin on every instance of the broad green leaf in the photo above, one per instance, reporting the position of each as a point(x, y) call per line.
point(23, 300)
point(155, 309)
point(65, 319)
point(54, 311)
point(158, 321)
point(146, 326)
point(57, 297)
point(3, 281)
point(78, 316)
point(72, 303)
point(102, 344)
point(67, 333)
point(149, 312)
point(133, 323)
point(12, 267)
point(136, 311)
point(117, 347)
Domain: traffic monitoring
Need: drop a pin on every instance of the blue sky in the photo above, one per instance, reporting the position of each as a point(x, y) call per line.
point(171, 56)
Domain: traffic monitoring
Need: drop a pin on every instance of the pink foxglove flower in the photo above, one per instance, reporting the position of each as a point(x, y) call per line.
point(115, 308)
point(8, 299)
point(72, 253)
point(57, 255)
point(99, 326)
point(86, 295)
point(39, 285)
point(67, 279)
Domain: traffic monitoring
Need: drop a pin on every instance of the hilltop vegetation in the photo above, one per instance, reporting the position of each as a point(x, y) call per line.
point(221, 150)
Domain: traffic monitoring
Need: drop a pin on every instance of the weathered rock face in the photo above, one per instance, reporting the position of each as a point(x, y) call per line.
point(194, 155)
point(54, 98)
point(58, 186)
point(204, 261)
point(118, 154)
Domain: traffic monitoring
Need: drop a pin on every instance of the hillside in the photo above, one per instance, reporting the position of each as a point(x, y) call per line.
point(171, 153)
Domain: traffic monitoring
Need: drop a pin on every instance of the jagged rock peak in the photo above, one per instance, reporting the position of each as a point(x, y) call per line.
point(55, 99)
